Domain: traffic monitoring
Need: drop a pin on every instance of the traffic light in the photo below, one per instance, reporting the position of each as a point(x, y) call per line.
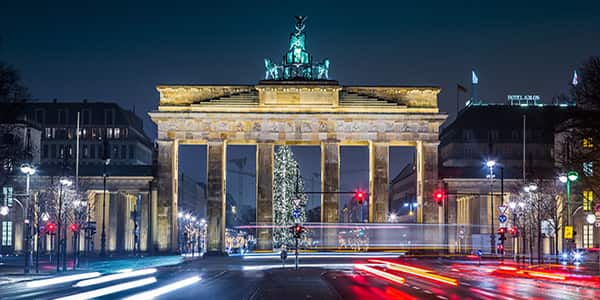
point(297, 230)
point(50, 227)
point(439, 196)
point(359, 196)
point(73, 227)
point(514, 231)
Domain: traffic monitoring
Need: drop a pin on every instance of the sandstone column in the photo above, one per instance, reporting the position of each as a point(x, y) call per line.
point(378, 182)
point(330, 181)
point(427, 182)
point(167, 195)
point(264, 194)
point(215, 168)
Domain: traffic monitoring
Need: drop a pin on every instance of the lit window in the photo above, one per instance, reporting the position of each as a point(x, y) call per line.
point(587, 143)
point(588, 235)
point(588, 198)
point(48, 132)
point(117, 133)
point(7, 196)
point(588, 169)
point(7, 229)
point(109, 133)
point(85, 151)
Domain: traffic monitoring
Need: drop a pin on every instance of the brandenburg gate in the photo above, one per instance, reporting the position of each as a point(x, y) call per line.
point(296, 105)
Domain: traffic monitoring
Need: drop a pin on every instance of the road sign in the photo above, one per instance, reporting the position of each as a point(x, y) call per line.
point(568, 232)
point(297, 202)
point(502, 218)
point(296, 214)
point(502, 208)
point(479, 253)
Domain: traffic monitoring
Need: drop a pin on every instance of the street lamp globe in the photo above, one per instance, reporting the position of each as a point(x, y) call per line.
point(27, 169)
point(4, 210)
point(193, 219)
point(521, 204)
point(526, 189)
point(202, 221)
point(573, 176)
point(490, 163)
point(590, 218)
point(180, 215)
point(533, 187)
point(512, 205)
point(188, 216)
point(563, 178)
point(393, 217)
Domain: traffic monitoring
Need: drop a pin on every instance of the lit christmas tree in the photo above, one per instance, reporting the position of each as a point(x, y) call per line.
point(287, 186)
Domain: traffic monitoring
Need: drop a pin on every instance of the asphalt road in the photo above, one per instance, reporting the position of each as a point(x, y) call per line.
point(318, 278)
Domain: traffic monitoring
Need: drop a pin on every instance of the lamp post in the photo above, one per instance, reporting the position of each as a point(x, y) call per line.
point(571, 176)
point(490, 164)
point(28, 170)
point(530, 189)
point(61, 234)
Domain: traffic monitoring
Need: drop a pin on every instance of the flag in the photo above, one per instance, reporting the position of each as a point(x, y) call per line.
point(474, 78)
point(461, 88)
point(575, 78)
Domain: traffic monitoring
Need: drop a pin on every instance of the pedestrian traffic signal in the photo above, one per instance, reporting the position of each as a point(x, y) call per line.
point(439, 196)
point(514, 231)
point(50, 227)
point(73, 227)
point(359, 196)
point(502, 230)
point(297, 230)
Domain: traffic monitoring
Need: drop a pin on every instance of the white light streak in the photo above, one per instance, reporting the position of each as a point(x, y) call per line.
point(110, 289)
point(165, 289)
point(62, 279)
point(113, 277)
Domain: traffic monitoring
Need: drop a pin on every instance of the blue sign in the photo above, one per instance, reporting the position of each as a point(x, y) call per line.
point(296, 214)
point(479, 252)
point(502, 218)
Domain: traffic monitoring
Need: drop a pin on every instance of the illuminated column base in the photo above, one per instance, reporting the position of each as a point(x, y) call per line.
point(264, 194)
point(215, 168)
point(166, 214)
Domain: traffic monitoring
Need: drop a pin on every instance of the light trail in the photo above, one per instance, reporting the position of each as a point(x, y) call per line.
point(379, 273)
point(62, 279)
point(310, 255)
point(423, 273)
point(110, 289)
point(113, 277)
point(275, 266)
point(151, 294)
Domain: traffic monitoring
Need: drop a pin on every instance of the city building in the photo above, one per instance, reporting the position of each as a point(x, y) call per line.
point(487, 155)
point(403, 194)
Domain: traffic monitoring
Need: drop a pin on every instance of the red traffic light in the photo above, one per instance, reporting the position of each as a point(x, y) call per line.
point(73, 227)
point(298, 228)
point(359, 196)
point(513, 230)
point(502, 230)
point(50, 227)
point(439, 195)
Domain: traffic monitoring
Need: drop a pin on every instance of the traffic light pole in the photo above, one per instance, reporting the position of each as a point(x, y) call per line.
point(297, 253)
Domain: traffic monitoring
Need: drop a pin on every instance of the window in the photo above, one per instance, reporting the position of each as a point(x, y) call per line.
point(61, 117)
point(86, 117)
point(48, 133)
point(109, 116)
point(588, 235)
point(494, 135)
point(587, 143)
point(117, 133)
point(94, 134)
point(7, 229)
point(7, 196)
point(109, 133)
point(92, 151)
point(115, 152)
point(468, 150)
point(131, 151)
point(70, 133)
point(588, 198)
point(124, 133)
point(123, 152)
point(53, 151)
point(588, 169)
point(467, 134)
point(45, 152)
point(85, 151)
point(39, 116)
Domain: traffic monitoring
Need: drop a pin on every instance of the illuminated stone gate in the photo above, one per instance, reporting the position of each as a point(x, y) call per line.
point(300, 111)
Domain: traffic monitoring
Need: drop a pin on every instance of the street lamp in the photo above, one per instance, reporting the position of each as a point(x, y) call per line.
point(28, 170)
point(590, 218)
point(4, 210)
point(490, 164)
point(393, 217)
point(567, 179)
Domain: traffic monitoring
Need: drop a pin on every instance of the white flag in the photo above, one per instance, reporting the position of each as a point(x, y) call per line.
point(474, 78)
point(575, 78)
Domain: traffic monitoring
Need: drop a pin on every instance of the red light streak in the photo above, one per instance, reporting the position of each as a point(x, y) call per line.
point(382, 274)
point(424, 273)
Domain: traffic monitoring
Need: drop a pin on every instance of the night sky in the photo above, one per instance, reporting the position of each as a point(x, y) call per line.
point(109, 51)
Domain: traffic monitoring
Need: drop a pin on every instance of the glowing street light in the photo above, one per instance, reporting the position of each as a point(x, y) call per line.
point(4, 210)
point(393, 217)
point(490, 163)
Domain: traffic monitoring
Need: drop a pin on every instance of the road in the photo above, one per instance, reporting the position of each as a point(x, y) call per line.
point(321, 276)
